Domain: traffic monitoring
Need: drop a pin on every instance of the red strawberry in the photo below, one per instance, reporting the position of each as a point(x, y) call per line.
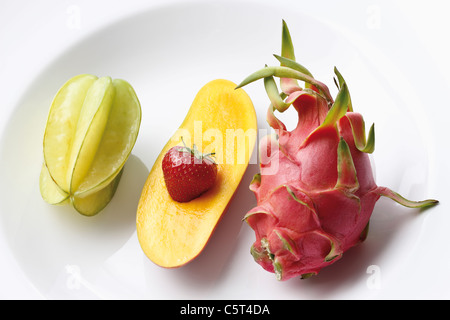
point(188, 173)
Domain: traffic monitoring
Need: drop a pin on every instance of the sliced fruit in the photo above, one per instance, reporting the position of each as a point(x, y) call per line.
point(221, 120)
point(87, 205)
point(95, 202)
point(62, 125)
point(91, 129)
point(50, 191)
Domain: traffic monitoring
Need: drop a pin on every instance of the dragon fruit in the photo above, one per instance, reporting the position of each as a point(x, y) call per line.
point(315, 191)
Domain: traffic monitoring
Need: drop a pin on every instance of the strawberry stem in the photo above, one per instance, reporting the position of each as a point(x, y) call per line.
point(196, 153)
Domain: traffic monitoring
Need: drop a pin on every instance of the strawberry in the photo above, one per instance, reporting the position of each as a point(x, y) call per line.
point(188, 173)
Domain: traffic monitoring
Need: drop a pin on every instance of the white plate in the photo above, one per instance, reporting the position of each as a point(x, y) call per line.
point(167, 52)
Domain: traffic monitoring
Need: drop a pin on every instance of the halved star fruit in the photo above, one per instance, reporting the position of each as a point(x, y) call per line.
point(92, 127)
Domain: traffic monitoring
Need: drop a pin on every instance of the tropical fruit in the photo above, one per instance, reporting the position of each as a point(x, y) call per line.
point(92, 126)
point(188, 173)
point(315, 191)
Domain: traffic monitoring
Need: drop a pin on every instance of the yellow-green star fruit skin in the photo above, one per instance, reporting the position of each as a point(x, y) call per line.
point(92, 127)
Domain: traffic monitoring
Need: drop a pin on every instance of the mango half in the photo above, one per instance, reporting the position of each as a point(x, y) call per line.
point(91, 129)
point(220, 120)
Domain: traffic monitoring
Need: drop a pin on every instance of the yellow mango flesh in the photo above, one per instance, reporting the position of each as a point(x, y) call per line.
point(221, 120)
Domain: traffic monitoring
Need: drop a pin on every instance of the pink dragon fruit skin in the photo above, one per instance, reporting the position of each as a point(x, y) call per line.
point(315, 191)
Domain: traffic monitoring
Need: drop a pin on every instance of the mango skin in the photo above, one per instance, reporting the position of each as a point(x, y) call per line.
point(170, 233)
